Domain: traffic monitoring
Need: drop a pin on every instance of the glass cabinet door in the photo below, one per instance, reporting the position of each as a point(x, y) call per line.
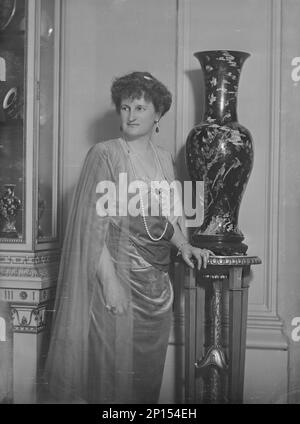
point(48, 109)
point(12, 119)
point(29, 128)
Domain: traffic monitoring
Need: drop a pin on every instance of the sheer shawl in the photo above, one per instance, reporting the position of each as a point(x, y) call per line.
point(67, 361)
point(67, 365)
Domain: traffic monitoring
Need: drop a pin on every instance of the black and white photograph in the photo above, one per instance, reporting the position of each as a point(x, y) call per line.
point(149, 205)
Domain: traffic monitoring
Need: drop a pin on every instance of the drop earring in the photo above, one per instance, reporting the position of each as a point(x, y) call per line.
point(121, 129)
point(157, 127)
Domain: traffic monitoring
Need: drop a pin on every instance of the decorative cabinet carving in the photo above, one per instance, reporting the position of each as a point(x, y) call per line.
point(29, 183)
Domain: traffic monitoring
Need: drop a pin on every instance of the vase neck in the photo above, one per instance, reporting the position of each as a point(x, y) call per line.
point(221, 107)
point(221, 69)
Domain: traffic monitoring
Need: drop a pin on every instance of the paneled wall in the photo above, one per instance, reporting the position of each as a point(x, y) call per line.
point(106, 38)
point(289, 224)
point(230, 25)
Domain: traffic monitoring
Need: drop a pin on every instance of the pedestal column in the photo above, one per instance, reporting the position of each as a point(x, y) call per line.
point(216, 304)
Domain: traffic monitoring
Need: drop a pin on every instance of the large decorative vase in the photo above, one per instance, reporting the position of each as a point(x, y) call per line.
point(219, 152)
point(9, 207)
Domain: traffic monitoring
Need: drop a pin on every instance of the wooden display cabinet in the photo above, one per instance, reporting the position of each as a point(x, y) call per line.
point(29, 189)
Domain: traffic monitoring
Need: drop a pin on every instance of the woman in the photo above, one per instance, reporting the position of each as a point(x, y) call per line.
point(114, 296)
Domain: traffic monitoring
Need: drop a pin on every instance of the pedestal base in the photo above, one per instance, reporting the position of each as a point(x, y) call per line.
point(27, 289)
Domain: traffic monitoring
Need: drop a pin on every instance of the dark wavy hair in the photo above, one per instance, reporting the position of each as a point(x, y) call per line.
point(138, 84)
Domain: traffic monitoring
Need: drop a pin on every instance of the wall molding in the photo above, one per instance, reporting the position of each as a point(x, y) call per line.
point(182, 101)
point(265, 328)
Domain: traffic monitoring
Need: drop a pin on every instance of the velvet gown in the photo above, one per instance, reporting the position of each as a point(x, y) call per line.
point(96, 356)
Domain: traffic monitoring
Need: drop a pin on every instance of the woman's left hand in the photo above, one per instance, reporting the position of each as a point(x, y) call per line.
point(188, 251)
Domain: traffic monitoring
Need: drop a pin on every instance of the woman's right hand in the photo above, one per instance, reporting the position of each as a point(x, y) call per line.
point(115, 297)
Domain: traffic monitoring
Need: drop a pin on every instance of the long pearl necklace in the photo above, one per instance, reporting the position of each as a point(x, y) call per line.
point(140, 196)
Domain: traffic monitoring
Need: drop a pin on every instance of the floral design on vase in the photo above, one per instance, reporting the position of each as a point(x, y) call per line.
point(219, 151)
point(9, 207)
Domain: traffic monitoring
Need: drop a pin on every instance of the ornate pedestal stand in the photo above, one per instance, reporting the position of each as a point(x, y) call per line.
point(216, 303)
point(27, 291)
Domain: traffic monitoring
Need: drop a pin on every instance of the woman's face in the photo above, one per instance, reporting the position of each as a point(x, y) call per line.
point(137, 118)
